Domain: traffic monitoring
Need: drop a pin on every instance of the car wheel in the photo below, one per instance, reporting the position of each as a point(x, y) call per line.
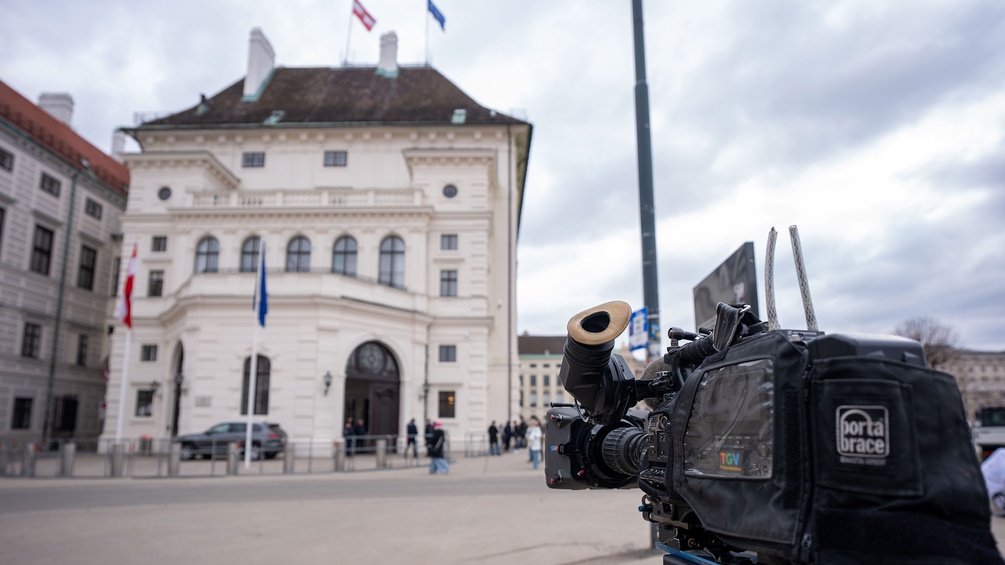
point(256, 452)
point(187, 452)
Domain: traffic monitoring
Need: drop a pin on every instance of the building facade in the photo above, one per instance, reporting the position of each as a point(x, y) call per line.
point(540, 362)
point(61, 202)
point(981, 378)
point(387, 203)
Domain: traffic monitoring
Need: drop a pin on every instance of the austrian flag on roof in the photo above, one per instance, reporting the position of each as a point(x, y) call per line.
point(363, 15)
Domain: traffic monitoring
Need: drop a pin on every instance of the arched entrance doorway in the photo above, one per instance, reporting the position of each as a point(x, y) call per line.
point(372, 389)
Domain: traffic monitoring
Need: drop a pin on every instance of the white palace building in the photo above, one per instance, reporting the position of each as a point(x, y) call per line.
point(388, 202)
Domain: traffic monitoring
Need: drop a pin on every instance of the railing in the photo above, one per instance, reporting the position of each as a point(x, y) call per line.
point(316, 198)
point(161, 457)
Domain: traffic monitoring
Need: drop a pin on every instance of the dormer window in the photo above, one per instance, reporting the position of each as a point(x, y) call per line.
point(252, 160)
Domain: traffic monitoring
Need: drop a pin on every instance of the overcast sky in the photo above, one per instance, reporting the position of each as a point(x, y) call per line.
point(875, 127)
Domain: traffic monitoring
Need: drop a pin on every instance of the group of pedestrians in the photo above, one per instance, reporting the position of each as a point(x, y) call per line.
point(521, 434)
point(354, 433)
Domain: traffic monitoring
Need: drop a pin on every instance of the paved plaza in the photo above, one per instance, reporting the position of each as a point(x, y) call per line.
point(493, 510)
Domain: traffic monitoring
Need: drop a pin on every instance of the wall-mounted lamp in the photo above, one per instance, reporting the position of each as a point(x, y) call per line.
point(328, 381)
point(425, 391)
point(179, 380)
point(154, 386)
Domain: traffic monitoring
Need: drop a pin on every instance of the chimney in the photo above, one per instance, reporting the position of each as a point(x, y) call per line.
point(261, 59)
point(388, 65)
point(118, 144)
point(58, 104)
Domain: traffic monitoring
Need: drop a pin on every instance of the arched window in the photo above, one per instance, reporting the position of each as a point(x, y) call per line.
point(392, 261)
point(249, 254)
point(344, 256)
point(207, 255)
point(298, 255)
point(262, 370)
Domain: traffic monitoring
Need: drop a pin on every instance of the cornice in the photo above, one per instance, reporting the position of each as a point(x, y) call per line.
point(200, 159)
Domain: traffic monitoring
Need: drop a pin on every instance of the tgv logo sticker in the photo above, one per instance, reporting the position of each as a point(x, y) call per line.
point(863, 431)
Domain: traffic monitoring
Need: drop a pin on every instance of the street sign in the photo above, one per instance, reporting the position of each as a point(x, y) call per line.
point(638, 329)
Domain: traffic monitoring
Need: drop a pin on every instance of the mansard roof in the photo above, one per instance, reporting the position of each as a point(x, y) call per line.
point(541, 344)
point(24, 115)
point(325, 96)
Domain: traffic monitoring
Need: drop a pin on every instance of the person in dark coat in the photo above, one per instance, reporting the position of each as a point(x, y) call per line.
point(437, 451)
point(413, 431)
point(348, 432)
point(507, 436)
point(494, 439)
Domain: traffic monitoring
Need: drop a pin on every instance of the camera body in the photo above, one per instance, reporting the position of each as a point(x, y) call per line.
point(776, 446)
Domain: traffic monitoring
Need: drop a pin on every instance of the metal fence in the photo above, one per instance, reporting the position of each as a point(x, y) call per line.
point(147, 457)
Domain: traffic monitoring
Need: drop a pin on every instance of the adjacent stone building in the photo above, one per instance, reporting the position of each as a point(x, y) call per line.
point(61, 200)
point(540, 362)
point(388, 204)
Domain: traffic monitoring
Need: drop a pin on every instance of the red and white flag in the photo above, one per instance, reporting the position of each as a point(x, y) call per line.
point(363, 15)
point(124, 308)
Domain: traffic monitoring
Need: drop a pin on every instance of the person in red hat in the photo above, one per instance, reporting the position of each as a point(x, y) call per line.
point(437, 451)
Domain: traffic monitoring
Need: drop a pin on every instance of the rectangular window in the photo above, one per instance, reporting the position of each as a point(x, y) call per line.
point(336, 158)
point(3, 213)
point(6, 160)
point(116, 267)
point(148, 353)
point(447, 401)
point(49, 184)
point(250, 160)
point(144, 403)
point(155, 284)
point(448, 242)
point(41, 250)
point(448, 354)
point(448, 283)
point(88, 260)
point(159, 243)
point(82, 350)
point(32, 342)
point(22, 414)
point(92, 209)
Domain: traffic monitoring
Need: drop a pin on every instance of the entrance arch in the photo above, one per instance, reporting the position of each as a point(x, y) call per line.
point(372, 388)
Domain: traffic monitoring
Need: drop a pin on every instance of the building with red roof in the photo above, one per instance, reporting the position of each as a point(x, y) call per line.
point(61, 202)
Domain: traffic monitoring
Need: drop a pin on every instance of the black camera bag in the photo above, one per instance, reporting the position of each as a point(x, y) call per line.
point(862, 456)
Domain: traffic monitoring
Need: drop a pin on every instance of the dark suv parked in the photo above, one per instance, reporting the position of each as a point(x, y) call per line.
point(267, 439)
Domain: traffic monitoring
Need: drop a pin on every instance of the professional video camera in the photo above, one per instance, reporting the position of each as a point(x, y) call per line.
point(774, 446)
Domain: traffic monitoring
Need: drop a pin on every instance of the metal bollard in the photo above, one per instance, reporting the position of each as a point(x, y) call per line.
point(288, 458)
point(174, 460)
point(338, 452)
point(66, 457)
point(233, 458)
point(116, 460)
point(381, 453)
point(28, 461)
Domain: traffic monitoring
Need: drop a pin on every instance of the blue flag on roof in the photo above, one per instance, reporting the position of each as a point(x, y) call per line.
point(261, 302)
point(437, 14)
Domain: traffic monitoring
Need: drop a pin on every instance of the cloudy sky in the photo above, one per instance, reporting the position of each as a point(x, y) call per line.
point(875, 127)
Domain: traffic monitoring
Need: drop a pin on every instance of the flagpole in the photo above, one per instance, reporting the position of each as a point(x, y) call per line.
point(345, 58)
point(122, 388)
point(253, 376)
point(425, 14)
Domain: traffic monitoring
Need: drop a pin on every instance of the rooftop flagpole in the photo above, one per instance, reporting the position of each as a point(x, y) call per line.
point(348, 33)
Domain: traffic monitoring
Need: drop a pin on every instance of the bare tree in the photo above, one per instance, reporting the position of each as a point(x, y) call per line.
point(937, 339)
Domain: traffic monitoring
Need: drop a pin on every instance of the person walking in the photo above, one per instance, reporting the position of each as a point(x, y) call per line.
point(412, 432)
point(437, 451)
point(534, 435)
point(494, 439)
